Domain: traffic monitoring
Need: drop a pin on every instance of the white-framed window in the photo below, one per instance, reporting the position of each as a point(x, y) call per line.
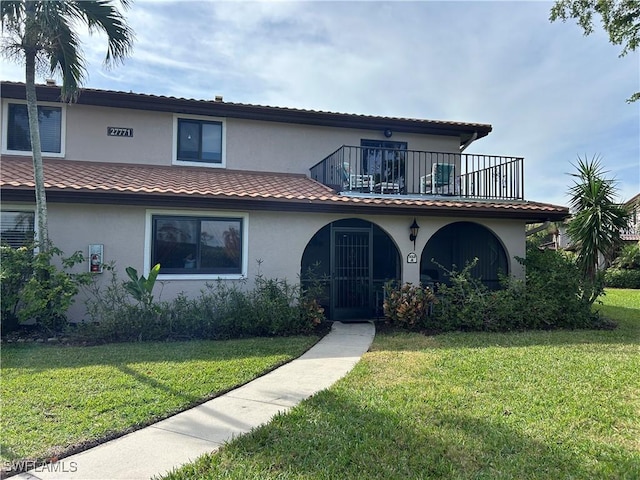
point(196, 244)
point(199, 141)
point(16, 138)
point(17, 226)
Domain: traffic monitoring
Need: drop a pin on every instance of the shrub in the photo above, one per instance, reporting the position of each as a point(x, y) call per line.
point(273, 307)
point(629, 257)
point(16, 266)
point(269, 310)
point(557, 295)
point(34, 288)
point(114, 318)
point(462, 302)
point(506, 309)
point(226, 306)
point(223, 310)
point(621, 278)
point(553, 295)
point(408, 305)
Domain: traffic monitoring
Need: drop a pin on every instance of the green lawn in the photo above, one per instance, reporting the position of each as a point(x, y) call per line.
point(535, 405)
point(55, 399)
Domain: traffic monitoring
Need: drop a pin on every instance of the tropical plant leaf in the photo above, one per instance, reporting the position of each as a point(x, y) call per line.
point(132, 273)
point(153, 275)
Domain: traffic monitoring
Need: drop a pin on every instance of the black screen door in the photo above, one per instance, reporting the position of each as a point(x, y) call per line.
point(352, 273)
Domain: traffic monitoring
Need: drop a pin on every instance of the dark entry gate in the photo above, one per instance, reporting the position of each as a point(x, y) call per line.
point(351, 273)
point(350, 260)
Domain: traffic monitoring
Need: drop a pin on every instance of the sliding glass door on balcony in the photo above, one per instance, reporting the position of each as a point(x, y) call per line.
point(386, 162)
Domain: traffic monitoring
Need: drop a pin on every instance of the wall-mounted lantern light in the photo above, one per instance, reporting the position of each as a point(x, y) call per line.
point(413, 229)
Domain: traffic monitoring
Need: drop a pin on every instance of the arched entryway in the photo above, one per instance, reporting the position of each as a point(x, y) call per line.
point(352, 259)
point(458, 244)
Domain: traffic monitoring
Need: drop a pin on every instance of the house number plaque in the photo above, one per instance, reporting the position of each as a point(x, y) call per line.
point(412, 258)
point(119, 132)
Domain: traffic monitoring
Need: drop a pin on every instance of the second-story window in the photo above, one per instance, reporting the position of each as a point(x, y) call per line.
point(199, 141)
point(49, 120)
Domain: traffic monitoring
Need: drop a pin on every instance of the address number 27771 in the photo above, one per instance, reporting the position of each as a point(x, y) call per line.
point(119, 132)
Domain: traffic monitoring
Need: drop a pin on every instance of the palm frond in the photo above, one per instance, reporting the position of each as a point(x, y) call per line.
point(48, 29)
point(102, 16)
point(66, 57)
point(12, 12)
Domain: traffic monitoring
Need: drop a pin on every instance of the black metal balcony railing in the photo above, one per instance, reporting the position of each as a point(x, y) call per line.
point(386, 171)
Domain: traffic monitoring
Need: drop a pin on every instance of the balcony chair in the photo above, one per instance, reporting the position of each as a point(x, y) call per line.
point(343, 174)
point(386, 187)
point(362, 183)
point(440, 181)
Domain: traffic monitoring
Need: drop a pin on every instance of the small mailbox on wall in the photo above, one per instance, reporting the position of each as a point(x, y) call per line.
point(96, 258)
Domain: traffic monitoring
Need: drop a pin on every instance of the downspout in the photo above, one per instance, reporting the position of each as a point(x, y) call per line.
point(464, 146)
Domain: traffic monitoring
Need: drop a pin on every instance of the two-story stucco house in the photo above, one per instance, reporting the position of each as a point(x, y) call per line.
point(207, 188)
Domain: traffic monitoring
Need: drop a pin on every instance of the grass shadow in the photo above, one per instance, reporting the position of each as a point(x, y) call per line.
point(147, 382)
point(36, 357)
point(162, 387)
point(343, 439)
point(626, 333)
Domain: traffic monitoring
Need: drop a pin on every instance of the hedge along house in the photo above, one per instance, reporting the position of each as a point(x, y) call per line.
point(217, 190)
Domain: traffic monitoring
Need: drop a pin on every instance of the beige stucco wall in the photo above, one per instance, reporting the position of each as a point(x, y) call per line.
point(270, 146)
point(276, 239)
point(86, 137)
point(250, 144)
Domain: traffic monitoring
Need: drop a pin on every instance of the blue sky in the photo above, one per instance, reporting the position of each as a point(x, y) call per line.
point(550, 93)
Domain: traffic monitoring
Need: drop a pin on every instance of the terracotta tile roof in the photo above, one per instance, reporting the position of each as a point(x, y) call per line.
point(16, 174)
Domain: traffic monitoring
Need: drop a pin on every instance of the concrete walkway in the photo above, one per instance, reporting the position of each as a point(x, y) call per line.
point(165, 445)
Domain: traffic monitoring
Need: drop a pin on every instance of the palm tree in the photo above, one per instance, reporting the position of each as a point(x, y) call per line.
point(41, 33)
point(597, 220)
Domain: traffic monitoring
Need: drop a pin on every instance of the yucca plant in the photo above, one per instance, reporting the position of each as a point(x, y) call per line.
point(598, 219)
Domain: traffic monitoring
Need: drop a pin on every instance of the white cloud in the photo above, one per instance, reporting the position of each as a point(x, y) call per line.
point(549, 92)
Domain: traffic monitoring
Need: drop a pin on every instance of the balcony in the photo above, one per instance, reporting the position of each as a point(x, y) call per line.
point(373, 171)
